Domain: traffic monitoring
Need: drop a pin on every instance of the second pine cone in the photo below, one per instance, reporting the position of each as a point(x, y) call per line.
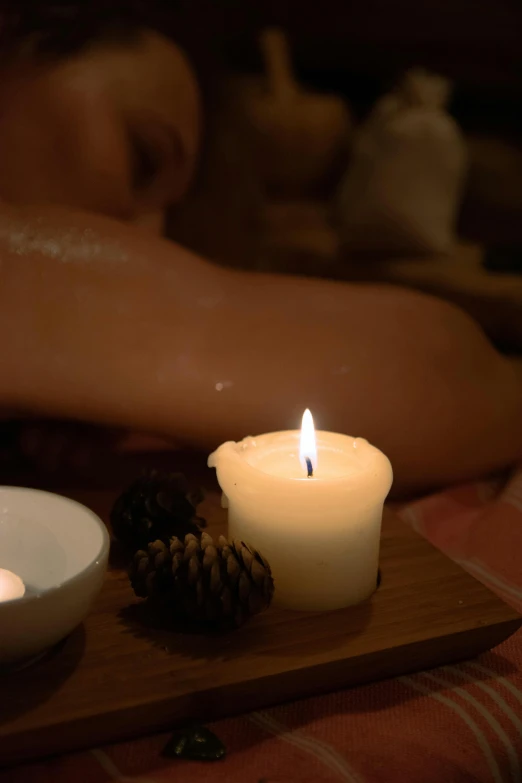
point(218, 584)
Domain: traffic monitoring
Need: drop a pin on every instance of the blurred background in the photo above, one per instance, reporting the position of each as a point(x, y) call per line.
point(356, 53)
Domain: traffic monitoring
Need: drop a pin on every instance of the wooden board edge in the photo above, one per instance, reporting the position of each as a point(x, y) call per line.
point(231, 700)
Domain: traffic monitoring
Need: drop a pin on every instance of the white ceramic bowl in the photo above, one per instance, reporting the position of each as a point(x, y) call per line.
point(59, 549)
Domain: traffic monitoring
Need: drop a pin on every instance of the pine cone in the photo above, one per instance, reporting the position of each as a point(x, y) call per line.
point(156, 506)
point(220, 585)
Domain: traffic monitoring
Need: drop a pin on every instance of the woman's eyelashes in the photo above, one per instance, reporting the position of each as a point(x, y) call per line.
point(146, 164)
point(160, 167)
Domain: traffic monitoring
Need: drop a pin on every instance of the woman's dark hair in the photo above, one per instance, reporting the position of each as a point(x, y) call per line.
point(63, 27)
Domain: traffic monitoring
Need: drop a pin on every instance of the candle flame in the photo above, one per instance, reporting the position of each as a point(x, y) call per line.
point(307, 445)
point(11, 586)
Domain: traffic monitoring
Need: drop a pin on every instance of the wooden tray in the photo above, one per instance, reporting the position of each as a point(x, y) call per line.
point(116, 678)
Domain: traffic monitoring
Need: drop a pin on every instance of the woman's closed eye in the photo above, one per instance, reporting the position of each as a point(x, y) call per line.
point(145, 163)
point(159, 166)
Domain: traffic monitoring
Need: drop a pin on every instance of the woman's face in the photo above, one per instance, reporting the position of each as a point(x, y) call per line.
point(113, 130)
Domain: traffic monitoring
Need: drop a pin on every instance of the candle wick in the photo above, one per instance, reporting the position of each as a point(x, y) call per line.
point(309, 468)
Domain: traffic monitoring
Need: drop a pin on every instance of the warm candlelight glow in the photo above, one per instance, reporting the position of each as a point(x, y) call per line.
point(313, 509)
point(307, 445)
point(11, 586)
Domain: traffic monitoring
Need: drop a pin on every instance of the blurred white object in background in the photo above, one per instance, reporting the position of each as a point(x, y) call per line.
point(402, 190)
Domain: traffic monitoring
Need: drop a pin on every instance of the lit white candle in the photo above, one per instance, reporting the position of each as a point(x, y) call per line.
point(311, 503)
point(11, 586)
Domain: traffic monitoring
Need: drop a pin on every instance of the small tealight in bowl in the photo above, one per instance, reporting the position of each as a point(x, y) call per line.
point(53, 559)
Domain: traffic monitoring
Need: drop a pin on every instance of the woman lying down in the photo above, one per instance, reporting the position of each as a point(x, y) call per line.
point(105, 323)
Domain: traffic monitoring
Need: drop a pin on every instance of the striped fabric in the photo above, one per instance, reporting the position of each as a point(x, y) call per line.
point(457, 724)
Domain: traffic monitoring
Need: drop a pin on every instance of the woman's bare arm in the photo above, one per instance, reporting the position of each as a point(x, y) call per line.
point(101, 323)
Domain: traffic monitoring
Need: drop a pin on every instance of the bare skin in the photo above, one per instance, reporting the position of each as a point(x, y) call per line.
point(106, 324)
point(123, 329)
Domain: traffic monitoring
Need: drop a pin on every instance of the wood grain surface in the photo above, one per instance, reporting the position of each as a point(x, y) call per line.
point(118, 676)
